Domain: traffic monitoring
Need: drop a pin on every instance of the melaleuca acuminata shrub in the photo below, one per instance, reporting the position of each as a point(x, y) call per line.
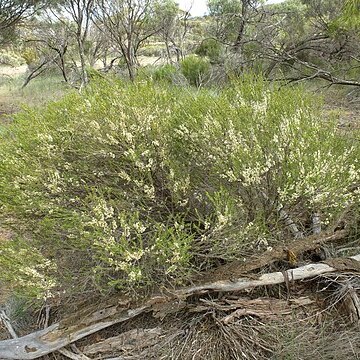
point(132, 185)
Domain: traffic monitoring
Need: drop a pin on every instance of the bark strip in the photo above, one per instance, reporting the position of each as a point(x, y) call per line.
point(61, 334)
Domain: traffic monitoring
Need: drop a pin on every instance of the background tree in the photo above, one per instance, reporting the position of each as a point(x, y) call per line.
point(234, 23)
point(12, 12)
point(80, 12)
point(168, 17)
point(309, 44)
point(98, 47)
point(231, 19)
point(129, 23)
point(46, 48)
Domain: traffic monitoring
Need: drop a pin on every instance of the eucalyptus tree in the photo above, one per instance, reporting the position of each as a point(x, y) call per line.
point(129, 23)
point(76, 15)
point(49, 43)
point(319, 43)
point(169, 18)
point(231, 19)
point(13, 12)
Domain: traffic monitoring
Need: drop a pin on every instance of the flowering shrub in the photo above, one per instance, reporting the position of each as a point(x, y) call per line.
point(133, 185)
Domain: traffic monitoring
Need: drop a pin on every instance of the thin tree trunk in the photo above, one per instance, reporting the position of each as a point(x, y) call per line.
point(84, 76)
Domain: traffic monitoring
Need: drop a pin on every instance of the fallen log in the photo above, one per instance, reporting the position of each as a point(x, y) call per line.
point(297, 247)
point(304, 272)
point(56, 336)
point(6, 321)
point(127, 341)
point(61, 334)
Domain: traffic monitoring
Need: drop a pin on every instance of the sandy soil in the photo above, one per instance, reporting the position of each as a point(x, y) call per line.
point(12, 71)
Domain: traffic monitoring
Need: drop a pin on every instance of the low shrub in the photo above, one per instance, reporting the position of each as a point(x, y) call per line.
point(165, 73)
point(134, 185)
point(152, 50)
point(10, 58)
point(210, 48)
point(195, 69)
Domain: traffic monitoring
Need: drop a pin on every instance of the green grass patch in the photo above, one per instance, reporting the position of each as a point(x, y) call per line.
point(37, 93)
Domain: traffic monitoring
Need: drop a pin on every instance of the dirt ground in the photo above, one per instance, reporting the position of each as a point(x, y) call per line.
point(8, 73)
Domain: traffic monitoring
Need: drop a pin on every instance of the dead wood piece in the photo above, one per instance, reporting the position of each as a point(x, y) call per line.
point(71, 355)
point(271, 305)
point(240, 313)
point(290, 224)
point(44, 317)
point(128, 341)
point(263, 308)
point(267, 308)
point(316, 223)
point(344, 264)
point(297, 247)
point(57, 336)
point(170, 306)
point(6, 321)
point(351, 304)
point(304, 272)
point(62, 334)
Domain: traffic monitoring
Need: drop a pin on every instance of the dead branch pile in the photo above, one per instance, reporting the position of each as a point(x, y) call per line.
point(241, 317)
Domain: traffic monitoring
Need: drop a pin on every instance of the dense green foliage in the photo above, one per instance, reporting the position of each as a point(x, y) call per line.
point(350, 16)
point(210, 48)
point(195, 69)
point(165, 73)
point(132, 185)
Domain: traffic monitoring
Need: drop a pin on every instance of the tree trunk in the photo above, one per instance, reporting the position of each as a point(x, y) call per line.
point(83, 72)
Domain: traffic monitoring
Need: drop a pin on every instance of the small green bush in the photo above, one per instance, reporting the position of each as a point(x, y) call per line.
point(135, 185)
point(152, 50)
point(30, 56)
point(210, 48)
point(165, 73)
point(195, 69)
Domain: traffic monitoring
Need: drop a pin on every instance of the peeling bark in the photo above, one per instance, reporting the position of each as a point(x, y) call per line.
point(61, 334)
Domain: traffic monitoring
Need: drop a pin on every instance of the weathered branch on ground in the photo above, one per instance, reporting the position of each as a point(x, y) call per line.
point(280, 253)
point(72, 355)
point(304, 272)
point(7, 323)
point(61, 334)
point(142, 338)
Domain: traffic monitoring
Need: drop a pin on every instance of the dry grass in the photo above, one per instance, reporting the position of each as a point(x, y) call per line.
point(39, 92)
point(208, 329)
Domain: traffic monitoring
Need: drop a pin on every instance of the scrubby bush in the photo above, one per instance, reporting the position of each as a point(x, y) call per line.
point(30, 56)
point(152, 50)
point(195, 69)
point(10, 58)
point(210, 48)
point(132, 185)
point(165, 73)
